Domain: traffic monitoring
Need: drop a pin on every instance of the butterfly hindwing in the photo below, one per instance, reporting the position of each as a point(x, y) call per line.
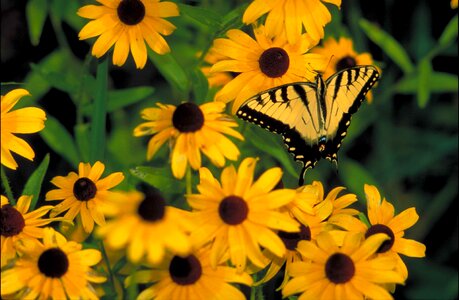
point(312, 117)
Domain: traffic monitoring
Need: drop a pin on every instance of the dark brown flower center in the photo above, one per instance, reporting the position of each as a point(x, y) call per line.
point(274, 62)
point(345, 62)
point(339, 268)
point(185, 271)
point(233, 210)
point(152, 208)
point(291, 239)
point(380, 228)
point(188, 117)
point(53, 263)
point(12, 221)
point(131, 12)
point(84, 189)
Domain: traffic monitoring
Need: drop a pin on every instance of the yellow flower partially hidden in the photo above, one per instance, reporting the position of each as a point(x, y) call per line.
point(453, 4)
point(191, 277)
point(192, 129)
point(84, 193)
point(55, 269)
point(145, 224)
point(18, 223)
point(351, 271)
point(24, 120)
point(341, 55)
point(128, 24)
point(383, 220)
point(291, 16)
point(262, 63)
point(239, 215)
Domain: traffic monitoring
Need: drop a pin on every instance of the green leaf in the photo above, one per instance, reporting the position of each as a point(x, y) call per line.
point(35, 182)
point(171, 70)
point(206, 17)
point(424, 73)
point(438, 82)
point(158, 177)
point(450, 32)
point(354, 175)
point(60, 80)
point(58, 139)
point(270, 143)
point(388, 44)
point(36, 12)
point(200, 86)
point(121, 98)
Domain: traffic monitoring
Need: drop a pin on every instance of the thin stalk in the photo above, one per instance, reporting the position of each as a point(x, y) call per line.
point(7, 187)
point(99, 115)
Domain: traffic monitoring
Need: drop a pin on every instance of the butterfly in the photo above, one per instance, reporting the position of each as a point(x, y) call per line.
point(312, 117)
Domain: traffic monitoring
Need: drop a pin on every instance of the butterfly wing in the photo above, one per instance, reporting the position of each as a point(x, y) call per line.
point(344, 93)
point(292, 111)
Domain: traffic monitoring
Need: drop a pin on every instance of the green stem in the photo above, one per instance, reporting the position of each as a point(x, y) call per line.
point(99, 114)
point(188, 180)
point(7, 187)
point(107, 263)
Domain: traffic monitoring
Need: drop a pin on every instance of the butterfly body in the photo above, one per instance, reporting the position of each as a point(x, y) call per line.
point(312, 117)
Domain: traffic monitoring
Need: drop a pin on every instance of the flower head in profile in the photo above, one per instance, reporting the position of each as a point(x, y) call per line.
point(383, 220)
point(262, 63)
point(341, 55)
point(23, 120)
point(291, 16)
point(239, 215)
point(351, 271)
point(84, 193)
point(128, 24)
point(18, 223)
point(192, 129)
point(191, 277)
point(215, 79)
point(53, 269)
point(145, 224)
point(453, 4)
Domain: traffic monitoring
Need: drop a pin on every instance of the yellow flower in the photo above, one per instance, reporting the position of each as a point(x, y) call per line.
point(191, 277)
point(453, 4)
point(263, 63)
point(192, 129)
point(341, 55)
point(382, 220)
point(239, 215)
point(291, 16)
point(17, 223)
point(144, 224)
point(84, 193)
point(215, 79)
point(55, 269)
point(348, 272)
point(24, 120)
point(128, 24)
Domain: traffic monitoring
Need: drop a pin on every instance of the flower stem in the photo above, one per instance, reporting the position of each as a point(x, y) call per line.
point(188, 180)
point(107, 262)
point(7, 187)
point(99, 114)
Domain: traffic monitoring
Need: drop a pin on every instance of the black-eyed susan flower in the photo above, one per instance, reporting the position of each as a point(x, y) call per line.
point(351, 271)
point(23, 120)
point(128, 24)
point(453, 4)
point(192, 129)
point(55, 269)
point(291, 16)
point(145, 224)
point(239, 214)
point(262, 63)
point(18, 223)
point(191, 277)
point(341, 55)
point(215, 79)
point(382, 219)
point(84, 193)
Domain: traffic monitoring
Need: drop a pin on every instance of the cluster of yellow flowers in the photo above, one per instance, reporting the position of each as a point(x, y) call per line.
point(238, 227)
